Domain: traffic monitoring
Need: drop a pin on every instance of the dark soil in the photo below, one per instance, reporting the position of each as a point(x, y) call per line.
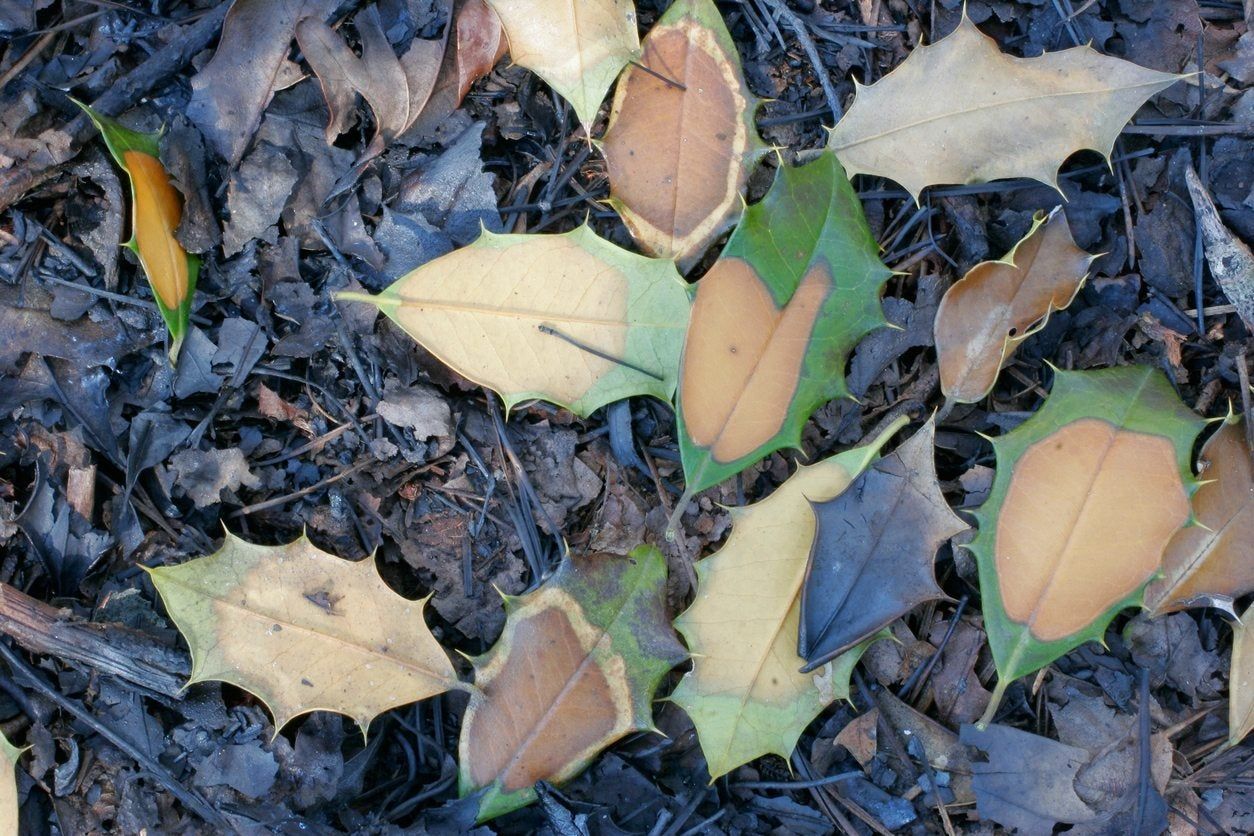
point(274, 424)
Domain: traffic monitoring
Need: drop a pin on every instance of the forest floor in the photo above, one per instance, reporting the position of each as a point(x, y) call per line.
point(292, 413)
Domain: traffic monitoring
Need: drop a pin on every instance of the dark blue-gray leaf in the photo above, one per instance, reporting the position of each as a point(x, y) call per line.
point(873, 551)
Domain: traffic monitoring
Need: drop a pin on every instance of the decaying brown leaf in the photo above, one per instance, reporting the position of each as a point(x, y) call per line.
point(396, 89)
point(1231, 262)
point(681, 140)
point(249, 65)
point(478, 43)
point(1213, 563)
point(999, 304)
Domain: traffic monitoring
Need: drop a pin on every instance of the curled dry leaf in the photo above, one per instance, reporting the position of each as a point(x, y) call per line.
point(774, 320)
point(874, 550)
point(156, 210)
point(396, 89)
point(1230, 260)
point(249, 65)
point(303, 630)
point(745, 693)
point(577, 46)
point(1088, 493)
point(999, 304)
point(478, 43)
point(568, 318)
point(574, 670)
point(962, 111)
point(8, 787)
point(681, 140)
point(1213, 562)
point(1240, 680)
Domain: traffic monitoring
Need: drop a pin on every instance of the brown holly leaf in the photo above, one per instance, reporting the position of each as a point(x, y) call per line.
point(681, 140)
point(303, 630)
point(574, 670)
point(1213, 563)
point(872, 558)
point(999, 304)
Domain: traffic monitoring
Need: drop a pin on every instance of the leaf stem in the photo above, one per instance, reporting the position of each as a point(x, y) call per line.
point(994, 702)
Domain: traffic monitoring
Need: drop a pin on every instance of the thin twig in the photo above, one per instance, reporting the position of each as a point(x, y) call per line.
point(780, 7)
point(191, 800)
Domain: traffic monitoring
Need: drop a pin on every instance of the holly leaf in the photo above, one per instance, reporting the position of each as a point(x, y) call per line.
point(1240, 686)
point(874, 549)
point(156, 211)
point(9, 755)
point(574, 670)
point(577, 46)
point(1088, 493)
point(999, 304)
point(568, 318)
point(745, 693)
point(962, 111)
point(774, 320)
point(1213, 562)
point(303, 630)
point(681, 140)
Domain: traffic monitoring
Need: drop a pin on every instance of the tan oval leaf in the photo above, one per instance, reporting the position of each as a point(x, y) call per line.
point(747, 355)
point(999, 304)
point(1084, 523)
point(1213, 562)
point(158, 211)
point(681, 142)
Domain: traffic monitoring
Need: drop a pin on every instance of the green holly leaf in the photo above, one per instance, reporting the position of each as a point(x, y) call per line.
point(574, 670)
point(774, 320)
point(156, 210)
point(745, 692)
point(8, 786)
point(570, 318)
point(1088, 493)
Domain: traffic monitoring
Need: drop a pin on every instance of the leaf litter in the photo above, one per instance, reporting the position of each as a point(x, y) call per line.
point(293, 412)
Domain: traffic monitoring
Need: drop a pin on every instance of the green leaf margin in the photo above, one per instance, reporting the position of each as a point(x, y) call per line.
point(119, 139)
point(1135, 398)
